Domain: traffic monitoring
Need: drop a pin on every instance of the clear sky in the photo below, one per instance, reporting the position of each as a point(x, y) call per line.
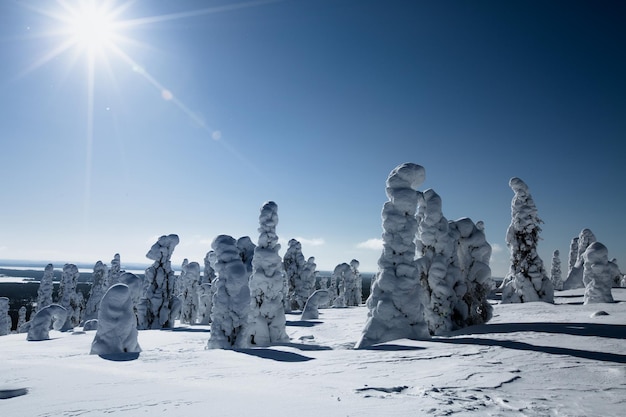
point(185, 116)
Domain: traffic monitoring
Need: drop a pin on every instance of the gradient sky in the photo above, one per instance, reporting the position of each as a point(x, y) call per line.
point(204, 112)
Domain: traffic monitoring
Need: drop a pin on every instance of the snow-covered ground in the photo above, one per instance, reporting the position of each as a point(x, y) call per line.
point(532, 359)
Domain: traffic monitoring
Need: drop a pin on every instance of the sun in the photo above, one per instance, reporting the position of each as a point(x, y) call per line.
point(91, 26)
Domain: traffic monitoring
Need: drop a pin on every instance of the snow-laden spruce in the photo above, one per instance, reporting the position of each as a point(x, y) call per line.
point(597, 274)
point(52, 316)
point(395, 308)
point(21, 319)
point(357, 297)
point(206, 289)
point(117, 325)
point(180, 279)
point(69, 298)
point(231, 302)
point(113, 275)
point(573, 255)
point(5, 318)
point(555, 271)
point(267, 312)
point(293, 262)
point(209, 272)
point(308, 277)
point(44, 292)
point(339, 278)
point(439, 278)
point(575, 275)
point(318, 298)
point(99, 285)
point(190, 286)
point(159, 304)
point(527, 279)
point(246, 251)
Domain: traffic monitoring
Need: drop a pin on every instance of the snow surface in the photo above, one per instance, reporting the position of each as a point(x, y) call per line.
point(531, 359)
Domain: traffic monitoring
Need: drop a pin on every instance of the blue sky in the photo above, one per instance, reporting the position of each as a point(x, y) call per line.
point(215, 107)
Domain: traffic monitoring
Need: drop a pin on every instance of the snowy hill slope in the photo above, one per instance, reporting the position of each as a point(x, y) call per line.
point(532, 359)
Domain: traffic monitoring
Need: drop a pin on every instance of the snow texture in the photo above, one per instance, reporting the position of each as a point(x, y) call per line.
point(575, 275)
point(5, 318)
point(231, 302)
point(293, 262)
point(159, 303)
point(555, 271)
point(69, 298)
point(267, 312)
point(318, 298)
point(52, 316)
point(99, 286)
point(113, 275)
point(117, 325)
point(190, 286)
point(597, 274)
point(395, 308)
point(527, 280)
point(44, 293)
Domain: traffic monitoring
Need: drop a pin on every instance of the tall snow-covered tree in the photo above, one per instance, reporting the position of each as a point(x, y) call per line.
point(356, 298)
point(438, 275)
point(341, 278)
point(5, 318)
point(555, 271)
point(44, 293)
point(231, 302)
point(267, 312)
point(293, 262)
point(395, 308)
point(575, 275)
point(190, 285)
point(597, 274)
point(69, 298)
point(209, 272)
point(308, 277)
point(98, 288)
point(527, 279)
point(179, 281)
point(113, 275)
point(159, 303)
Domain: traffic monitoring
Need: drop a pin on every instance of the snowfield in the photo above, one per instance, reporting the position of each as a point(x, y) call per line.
point(532, 359)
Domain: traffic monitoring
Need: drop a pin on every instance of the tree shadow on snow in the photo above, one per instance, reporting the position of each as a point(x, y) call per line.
point(510, 344)
point(305, 346)
point(275, 355)
point(303, 323)
point(120, 357)
point(12, 393)
point(187, 329)
point(613, 331)
point(392, 347)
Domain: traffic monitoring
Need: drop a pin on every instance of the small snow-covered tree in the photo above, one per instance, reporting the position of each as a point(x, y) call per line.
point(179, 281)
point(52, 316)
point(231, 302)
point(555, 271)
point(575, 275)
point(190, 286)
point(615, 273)
point(267, 312)
point(98, 288)
point(311, 312)
point(573, 255)
point(597, 274)
point(293, 262)
point(527, 280)
point(5, 318)
point(69, 298)
point(307, 277)
point(114, 272)
point(246, 251)
point(21, 317)
point(159, 305)
point(209, 272)
point(356, 298)
point(205, 302)
point(44, 293)
point(117, 325)
point(395, 308)
point(341, 278)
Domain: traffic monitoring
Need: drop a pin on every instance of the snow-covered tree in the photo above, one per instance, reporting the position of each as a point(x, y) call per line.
point(21, 318)
point(190, 286)
point(113, 275)
point(44, 293)
point(575, 275)
point(209, 272)
point(205, 302)
point(5, 318)
point(117, 325)
point(527, 279)
point(293, 262)
point(267, 312)
point(308, 277)
point(341, 277)
point(52, 316)
point(231, 302)
point(316, 299)
point(98, 288)
point(395, 308)
point(555, 271)
point(159, 304)
point(615, 273)
point(438, 275)
point(179, 281)
point(356, 298)
point(597, 275)
point(246, 250)
point(473, 254)
point(69, 298)
point(573, 255)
